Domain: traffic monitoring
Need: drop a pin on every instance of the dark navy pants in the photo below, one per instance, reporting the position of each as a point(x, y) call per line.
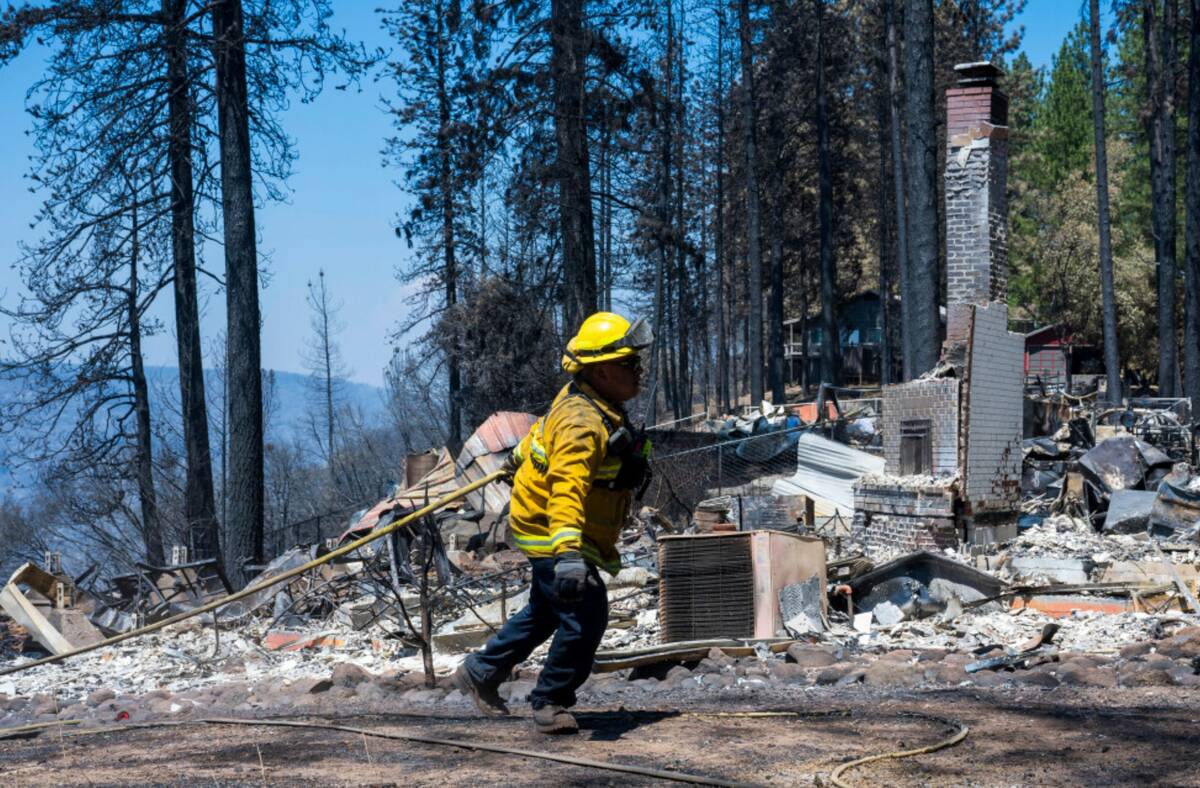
point(577, 630)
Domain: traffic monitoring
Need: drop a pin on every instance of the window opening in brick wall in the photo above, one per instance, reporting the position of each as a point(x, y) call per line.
point(916, 447)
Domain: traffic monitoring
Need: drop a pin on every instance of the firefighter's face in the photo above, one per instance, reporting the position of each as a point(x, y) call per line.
point(617, 381)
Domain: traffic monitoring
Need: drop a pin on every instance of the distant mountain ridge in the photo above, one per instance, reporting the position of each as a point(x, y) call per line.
point(292, 401)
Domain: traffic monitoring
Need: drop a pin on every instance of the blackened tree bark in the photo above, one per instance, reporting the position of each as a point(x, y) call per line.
point(244, 531)
point(144, 444)
point(898, 190)
point(449, 263)
point(1191, 306)
point(199, 501)
point(777, 374)
point(754, 289)
point(884, 234)
point(1159, 31)
point(685, 320)
point(921, 323)
point(568, 44)
point(831, 351)
point(1112, 356)
point(722, 339)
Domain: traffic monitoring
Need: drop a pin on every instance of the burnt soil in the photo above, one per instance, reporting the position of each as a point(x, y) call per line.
point(1064, 736)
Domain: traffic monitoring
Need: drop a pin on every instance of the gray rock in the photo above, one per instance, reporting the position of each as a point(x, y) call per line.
point(788, 671)
point(1135, 650)
point(43, 704)
point(718, 681)
point(1184, 675)
point(851, 677)
point(898, 655)
point(310, 685)
point(899, 674)
point(809, 657)
point(1035, 678)
point(1184, 644)
point(832, 674)
point(678, 672)
point(932, 655)
point(1134, 675)
point(347, 674)
point(986, 678)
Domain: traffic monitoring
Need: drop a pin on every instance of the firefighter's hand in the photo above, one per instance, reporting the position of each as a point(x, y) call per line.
point(509, 468)
point(570, 577)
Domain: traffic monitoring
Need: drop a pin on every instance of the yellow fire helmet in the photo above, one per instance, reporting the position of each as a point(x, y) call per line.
point(605, 336)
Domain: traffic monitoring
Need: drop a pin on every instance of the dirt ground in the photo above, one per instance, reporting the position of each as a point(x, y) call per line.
point(1017, 737)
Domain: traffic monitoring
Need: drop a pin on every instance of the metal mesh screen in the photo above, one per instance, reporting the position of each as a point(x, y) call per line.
point(706, 588)
point(745, 468)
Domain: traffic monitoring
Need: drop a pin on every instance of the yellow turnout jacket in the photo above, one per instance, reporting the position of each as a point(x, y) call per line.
point(555, 506)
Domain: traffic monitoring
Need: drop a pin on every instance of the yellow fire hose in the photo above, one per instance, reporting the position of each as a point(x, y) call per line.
point(267, 583)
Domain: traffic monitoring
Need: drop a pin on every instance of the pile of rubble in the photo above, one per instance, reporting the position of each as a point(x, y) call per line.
point(1073, 597)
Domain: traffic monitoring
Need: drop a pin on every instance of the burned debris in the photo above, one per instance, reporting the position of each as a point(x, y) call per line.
point(965, 526)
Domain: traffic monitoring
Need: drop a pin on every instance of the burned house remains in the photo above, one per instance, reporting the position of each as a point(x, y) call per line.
point(952, 438)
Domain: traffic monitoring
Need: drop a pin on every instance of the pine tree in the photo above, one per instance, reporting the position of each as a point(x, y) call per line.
point(1112, 361)
point(921, 181)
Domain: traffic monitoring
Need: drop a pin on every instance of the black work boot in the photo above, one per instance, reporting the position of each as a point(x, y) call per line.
point(553, 719)
point(486, 698)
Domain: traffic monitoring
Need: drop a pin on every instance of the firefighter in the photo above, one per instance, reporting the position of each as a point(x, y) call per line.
point(575, 476)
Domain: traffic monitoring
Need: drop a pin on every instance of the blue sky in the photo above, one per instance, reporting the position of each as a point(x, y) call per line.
point(340, 213)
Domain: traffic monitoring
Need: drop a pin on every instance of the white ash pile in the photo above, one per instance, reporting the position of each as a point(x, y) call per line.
point(1083, 631)
point(1063, 535)
point(181, 658)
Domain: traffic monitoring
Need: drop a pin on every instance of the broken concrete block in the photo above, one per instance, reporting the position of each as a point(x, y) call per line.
point(1072, 571)
point(74, 626)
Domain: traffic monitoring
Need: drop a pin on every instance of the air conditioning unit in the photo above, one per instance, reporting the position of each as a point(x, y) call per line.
point(727, 585)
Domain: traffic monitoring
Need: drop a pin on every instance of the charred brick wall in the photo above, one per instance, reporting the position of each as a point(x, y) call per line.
point(887, 533)
point(900, 516)
point(935, 400)
point(993, 408)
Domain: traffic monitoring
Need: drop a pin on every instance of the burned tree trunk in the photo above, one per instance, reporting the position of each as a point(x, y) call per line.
point(753, 214)
point(567, 67)
point(1112, 358)
point(1191, 306)
point(144, 446)
point(1159, 31)
point(898, 189)
point(244, 531)
point(449, 263)
point(921, 323)
point(831, 352)
point(883, 233)
point(199, 499)
point(723, 398)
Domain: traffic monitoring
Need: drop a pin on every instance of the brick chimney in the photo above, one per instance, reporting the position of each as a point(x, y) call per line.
point(975, 179)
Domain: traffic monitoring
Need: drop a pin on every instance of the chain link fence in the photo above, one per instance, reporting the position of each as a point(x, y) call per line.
point(745, 469)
